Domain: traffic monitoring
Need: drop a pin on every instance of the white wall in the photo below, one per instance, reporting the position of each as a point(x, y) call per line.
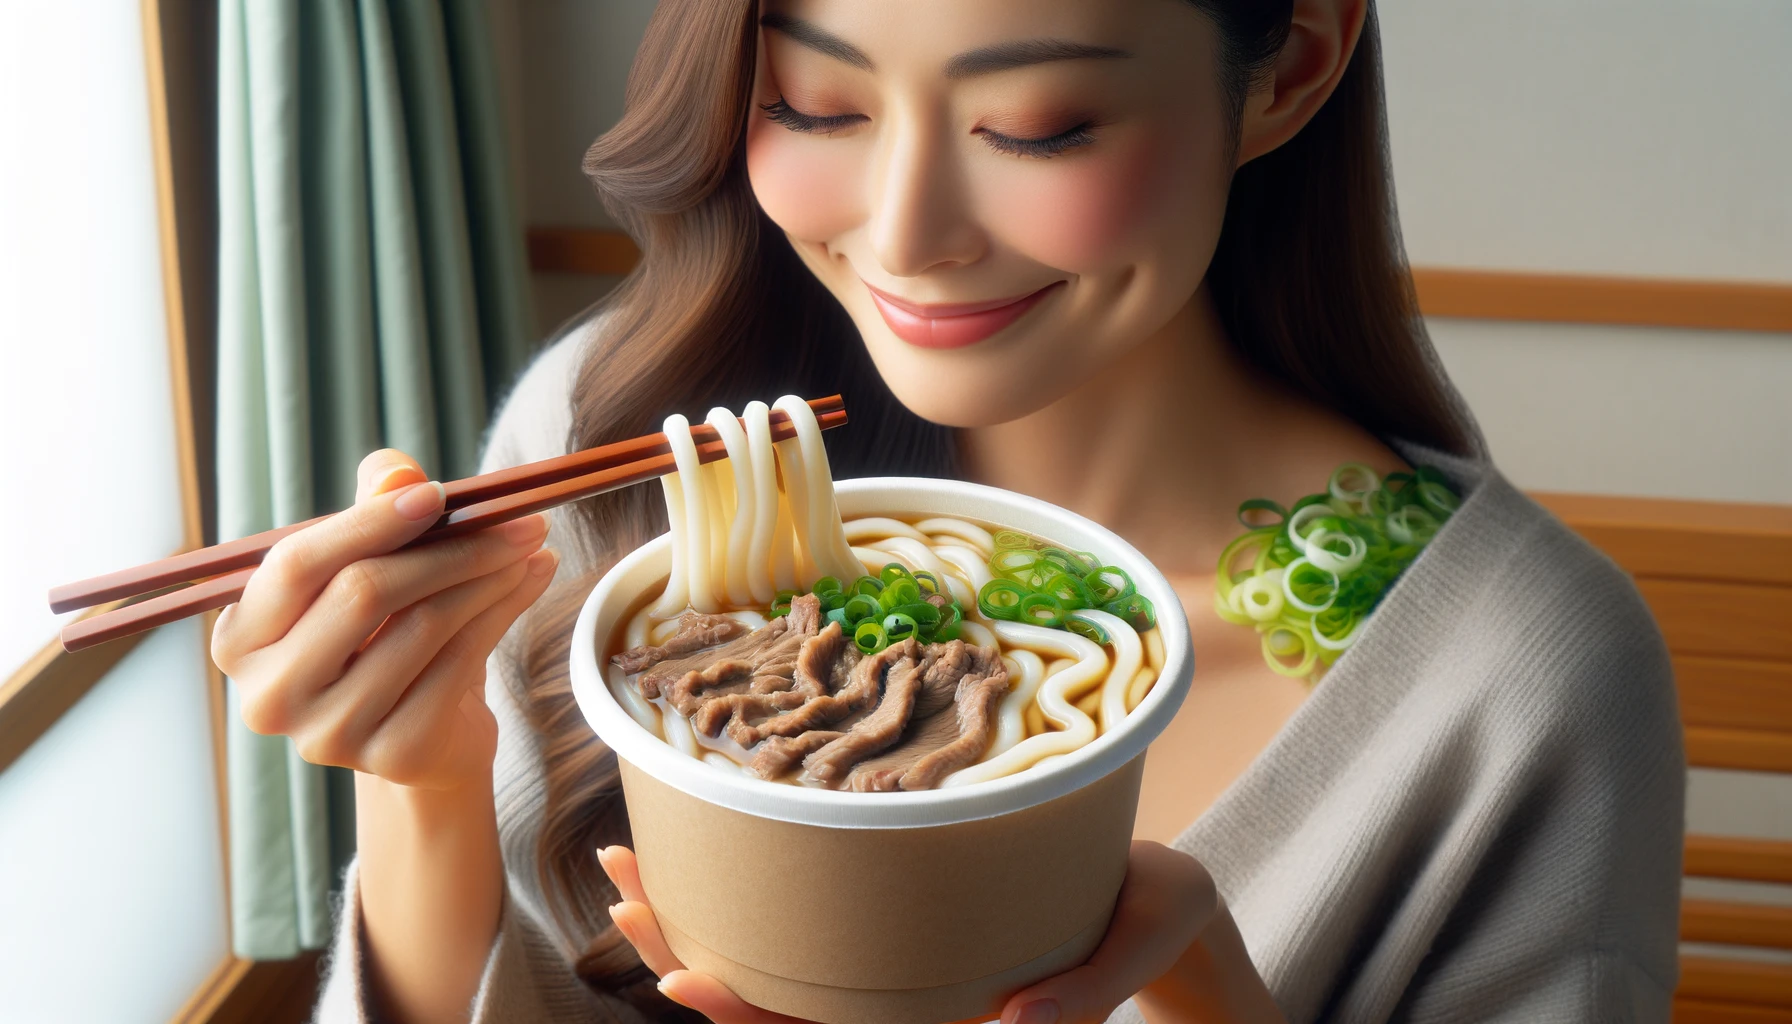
point(1647, 138)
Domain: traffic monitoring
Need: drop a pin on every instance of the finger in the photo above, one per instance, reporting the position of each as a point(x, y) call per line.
point(429, 709)
point(625, 873)
point(343, 713)
point(1164, 904)
point(297, 569)
point(716, 1001)
point(386, 470)
point(642, 929)
point(361, 597)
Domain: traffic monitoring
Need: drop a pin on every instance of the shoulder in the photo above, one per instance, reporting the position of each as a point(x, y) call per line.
point(534, 420)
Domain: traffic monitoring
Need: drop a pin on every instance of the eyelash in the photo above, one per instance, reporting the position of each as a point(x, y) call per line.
point(783, 113)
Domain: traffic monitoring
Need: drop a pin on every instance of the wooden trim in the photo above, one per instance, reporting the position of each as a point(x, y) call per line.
point(567, 250)
point(1736, 924)
point(1698, 1011)
point(1723, 620)
point(1731, 693)
point(1590, 299)
point(1747, 860)
point(211, 994)
point(1700, 540)
point(44, 688)
point(1442, 291)
point(1740, 749)
point(1738, 981)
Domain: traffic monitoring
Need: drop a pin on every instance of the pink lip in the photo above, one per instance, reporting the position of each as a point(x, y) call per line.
point(953, 325)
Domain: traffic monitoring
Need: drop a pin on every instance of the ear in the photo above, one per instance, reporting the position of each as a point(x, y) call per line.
point(1321, 37)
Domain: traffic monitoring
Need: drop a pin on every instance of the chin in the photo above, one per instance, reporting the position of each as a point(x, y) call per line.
point(995, 381)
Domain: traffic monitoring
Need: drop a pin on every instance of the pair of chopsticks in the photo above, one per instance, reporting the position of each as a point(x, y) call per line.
point(215, 576)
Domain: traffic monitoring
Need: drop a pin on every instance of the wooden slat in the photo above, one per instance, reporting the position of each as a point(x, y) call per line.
point(1736, 924)
point(1701, 540)
point(1724, 620)
point(1729, 693)
point(567, 250)
point(48, 685)
point(1737, 981)
point(1739, 749)
point(1698, 1011)
point(1589, 299)
point(1748, 860)
point(266, 992)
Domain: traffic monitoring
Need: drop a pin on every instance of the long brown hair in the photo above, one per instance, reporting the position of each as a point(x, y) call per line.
point(1309, 280)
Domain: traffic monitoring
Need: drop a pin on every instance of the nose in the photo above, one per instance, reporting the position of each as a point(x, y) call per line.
point(920, 215)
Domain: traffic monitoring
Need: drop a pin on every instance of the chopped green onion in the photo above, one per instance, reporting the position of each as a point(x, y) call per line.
point(1000, 599)
point(1135, 610)
point(899, 627)
point(892, 572)
point(1040, 610)
point(927, 582)
point(1245, 508)
point(1012, 539)
point(838, 615)
point(1070, 591)
point(1088, 630)
point(868, 586)
point(825, 585)
point(870, 637)
point(903, 591)
point(1009, 561)
point(860, 607)
point(1108, 583)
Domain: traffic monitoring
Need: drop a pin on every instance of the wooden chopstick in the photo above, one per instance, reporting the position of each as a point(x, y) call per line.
point(653, 459)
point(249, 551)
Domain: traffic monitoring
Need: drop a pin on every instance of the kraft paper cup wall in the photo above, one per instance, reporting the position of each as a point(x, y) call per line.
point(884, 908)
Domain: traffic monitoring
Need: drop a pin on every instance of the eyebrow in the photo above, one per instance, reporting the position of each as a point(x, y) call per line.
point(818, 39)
point(1025, 53)
point(984, 60)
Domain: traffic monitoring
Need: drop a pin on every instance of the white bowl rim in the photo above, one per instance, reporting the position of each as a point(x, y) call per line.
point(925, 808)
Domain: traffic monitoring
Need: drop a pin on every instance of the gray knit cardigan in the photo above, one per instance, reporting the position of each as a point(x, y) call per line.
point(1476, 816)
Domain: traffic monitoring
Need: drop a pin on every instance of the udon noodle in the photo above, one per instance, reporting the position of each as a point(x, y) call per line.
point(749, 530)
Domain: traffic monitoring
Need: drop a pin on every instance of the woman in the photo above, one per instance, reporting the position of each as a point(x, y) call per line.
point(1150, 239)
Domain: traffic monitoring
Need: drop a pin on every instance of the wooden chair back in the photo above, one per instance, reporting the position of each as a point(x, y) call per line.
point(1719, 579)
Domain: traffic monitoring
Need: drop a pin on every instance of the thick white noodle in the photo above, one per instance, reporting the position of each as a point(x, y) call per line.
point(717, 759)
point(1141, 685)
point(1129, 653)
point(1154, 649)
point(632, 702)
point(1077, 729)
point(975, 571)
point(636, 634)
point(919, 557)
point(819, 527)
point(662, 631)
point(879, 527)
point(718, 486)
point(751, 620)
point(739, 468)
point(677, 593)
point(977, 634)
point(975, 535)
point(698, 567)
point(872, 559)
point(1028, 670)
point(678, 732)
point(764, 491)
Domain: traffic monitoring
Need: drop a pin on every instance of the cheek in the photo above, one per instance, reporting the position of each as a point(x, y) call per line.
point(1085, 214)
point(808, 187)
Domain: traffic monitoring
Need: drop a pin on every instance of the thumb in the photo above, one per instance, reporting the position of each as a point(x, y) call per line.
point(386, 470)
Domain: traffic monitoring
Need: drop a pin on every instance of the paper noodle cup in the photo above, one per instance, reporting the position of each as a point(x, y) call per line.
point(884, 908)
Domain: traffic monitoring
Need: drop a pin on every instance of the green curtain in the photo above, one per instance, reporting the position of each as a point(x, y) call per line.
point(372, 292)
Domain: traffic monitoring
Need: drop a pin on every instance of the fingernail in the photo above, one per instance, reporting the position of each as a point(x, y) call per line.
point(542, 563)
point(1039, 1011)
point(665, 990)
point(379, 486)
point(524, 530)
point(420, 501)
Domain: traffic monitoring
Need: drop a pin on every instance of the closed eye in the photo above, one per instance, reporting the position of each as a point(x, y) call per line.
point(797, 121)
point(1043, 148)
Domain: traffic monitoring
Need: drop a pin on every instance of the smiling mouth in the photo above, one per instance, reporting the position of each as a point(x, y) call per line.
point(952, 325)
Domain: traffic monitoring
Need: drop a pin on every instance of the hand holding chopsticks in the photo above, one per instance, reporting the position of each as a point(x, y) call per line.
point(215, 576)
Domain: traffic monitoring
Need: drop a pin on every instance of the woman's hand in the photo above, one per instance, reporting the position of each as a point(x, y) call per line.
point(373, 658)
point(1167, 906)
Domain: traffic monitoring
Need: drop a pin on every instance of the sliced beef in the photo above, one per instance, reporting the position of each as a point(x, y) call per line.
point(696, 631)
point(780, 754)
point(939, 743)
point(876, 731)
point(854, 684)
point(771, 650)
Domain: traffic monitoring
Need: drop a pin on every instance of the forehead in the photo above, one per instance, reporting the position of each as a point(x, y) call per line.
point(916, 36)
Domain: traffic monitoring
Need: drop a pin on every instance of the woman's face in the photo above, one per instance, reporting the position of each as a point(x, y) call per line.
point(1006, 195)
